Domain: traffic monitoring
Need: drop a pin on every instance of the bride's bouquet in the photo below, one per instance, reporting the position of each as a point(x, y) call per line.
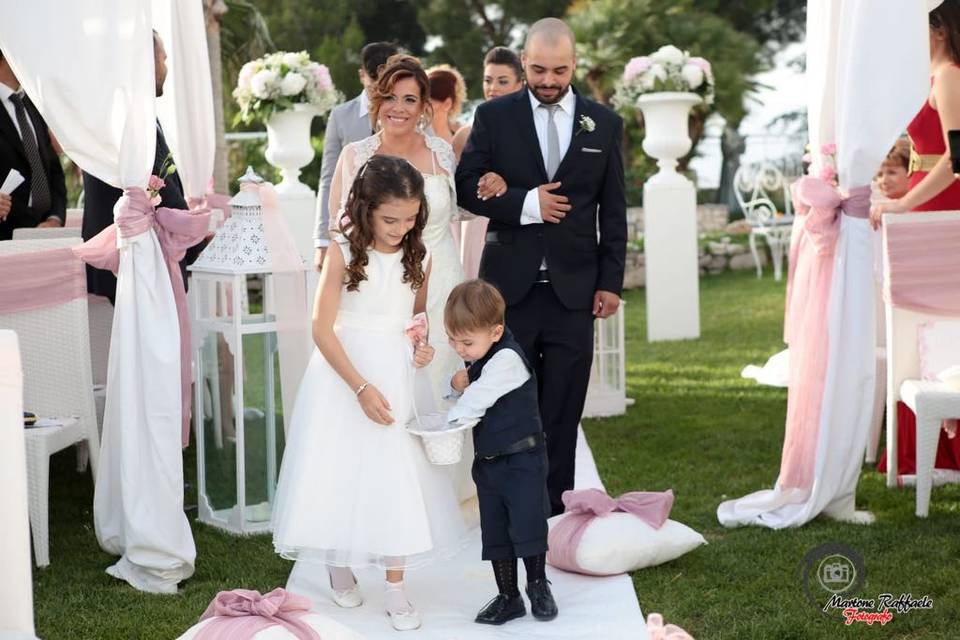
point(278, 81)
point(666, 69)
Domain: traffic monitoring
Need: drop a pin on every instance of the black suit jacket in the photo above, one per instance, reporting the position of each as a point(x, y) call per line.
point(12, 156)
point(98, 201)
point(504, 140)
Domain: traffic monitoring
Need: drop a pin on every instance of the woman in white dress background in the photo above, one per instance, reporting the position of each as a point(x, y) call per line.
point(401, 110)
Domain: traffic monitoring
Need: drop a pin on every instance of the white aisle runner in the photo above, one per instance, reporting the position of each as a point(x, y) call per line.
point(449, 594)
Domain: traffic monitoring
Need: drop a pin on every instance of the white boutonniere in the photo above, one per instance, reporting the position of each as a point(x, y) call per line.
point(586, 124)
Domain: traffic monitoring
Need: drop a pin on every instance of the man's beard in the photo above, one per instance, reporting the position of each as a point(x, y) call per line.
point(554, 100)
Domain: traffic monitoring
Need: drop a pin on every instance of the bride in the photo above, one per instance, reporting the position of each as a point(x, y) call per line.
point(400, 108)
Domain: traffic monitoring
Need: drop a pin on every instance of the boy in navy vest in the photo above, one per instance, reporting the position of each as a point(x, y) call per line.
point(499, 397)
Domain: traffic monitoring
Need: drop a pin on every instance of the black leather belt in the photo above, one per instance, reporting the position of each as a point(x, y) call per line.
point(519, 446)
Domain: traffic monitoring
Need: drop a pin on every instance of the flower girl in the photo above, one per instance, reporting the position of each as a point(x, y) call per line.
point(355, 488)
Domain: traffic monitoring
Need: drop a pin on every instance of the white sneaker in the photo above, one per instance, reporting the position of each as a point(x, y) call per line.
point(405, 620)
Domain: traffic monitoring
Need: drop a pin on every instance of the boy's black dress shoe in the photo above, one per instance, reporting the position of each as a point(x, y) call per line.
point(501, 609)
point(542, 604)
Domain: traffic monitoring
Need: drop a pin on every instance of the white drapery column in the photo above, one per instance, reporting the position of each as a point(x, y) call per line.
point(92, 78)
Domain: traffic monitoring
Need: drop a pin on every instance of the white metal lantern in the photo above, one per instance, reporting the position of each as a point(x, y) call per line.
point(607, 393)
point(238, 417)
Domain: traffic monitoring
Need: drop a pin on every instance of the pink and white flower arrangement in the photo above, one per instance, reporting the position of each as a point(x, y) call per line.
point(666, 69)
point(277, 81)
point(828, 165)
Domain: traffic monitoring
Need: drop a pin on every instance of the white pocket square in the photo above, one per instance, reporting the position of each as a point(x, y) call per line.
point(590, 150)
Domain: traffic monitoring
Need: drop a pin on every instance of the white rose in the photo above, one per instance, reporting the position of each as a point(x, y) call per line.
point(292, 84)
point(292, 60)
point(693, 75)
point(263, 83)
point(668, 54)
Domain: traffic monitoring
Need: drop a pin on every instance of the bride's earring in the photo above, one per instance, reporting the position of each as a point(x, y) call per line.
point(379, 124)
point(422, 123)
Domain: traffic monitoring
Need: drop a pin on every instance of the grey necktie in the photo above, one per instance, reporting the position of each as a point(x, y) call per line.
point(39, 187)
point(553, 141)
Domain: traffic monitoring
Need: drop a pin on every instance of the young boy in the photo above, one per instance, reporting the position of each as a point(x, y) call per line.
point(893, 177)
point(499, 397)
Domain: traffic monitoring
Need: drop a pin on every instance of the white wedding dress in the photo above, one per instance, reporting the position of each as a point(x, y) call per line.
point(446, 271)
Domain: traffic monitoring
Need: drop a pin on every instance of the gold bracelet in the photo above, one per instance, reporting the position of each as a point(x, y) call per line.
point(361, 388)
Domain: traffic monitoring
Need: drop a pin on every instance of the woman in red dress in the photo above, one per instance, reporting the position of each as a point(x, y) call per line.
point(933, 187)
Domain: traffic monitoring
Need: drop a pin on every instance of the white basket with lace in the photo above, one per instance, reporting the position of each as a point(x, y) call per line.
point(442, 442)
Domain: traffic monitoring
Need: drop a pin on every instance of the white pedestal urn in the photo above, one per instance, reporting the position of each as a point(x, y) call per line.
point(288, 146)
point(670, 221)
point(289, 149)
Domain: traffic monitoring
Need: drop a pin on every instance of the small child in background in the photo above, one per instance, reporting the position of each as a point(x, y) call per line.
point(499, 398)
point(893, 177)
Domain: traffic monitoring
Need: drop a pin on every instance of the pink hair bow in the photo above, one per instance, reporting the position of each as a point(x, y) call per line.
point(241, 614)
point(417, 329)
point(584, 506)
point(656, 630)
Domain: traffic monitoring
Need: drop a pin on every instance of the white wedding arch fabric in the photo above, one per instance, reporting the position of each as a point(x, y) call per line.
point(856, 55)
point(92, 78)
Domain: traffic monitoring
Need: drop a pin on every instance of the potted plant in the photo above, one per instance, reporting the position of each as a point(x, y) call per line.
point(665, 85)
point(285, 91)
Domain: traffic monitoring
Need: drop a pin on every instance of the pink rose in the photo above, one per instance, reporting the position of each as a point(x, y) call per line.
point(828, 173)
point(322, 76)
point(635, 67)
point(700, 62)
point(828, 149)
point(155, 201)
point(155, 183)
point(807, 158)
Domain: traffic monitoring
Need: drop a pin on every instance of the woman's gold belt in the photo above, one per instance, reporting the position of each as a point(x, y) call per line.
point(920, 162)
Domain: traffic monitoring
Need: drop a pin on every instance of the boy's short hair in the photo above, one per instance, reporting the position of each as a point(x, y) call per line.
point(473, 305)
point(900, 154)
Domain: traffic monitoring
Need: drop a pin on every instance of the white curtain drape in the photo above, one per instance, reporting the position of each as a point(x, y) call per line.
point(186, 107)
point(16, 588)
point(92, 78)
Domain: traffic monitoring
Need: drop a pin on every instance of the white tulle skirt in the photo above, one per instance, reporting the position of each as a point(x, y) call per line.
point(354, 493)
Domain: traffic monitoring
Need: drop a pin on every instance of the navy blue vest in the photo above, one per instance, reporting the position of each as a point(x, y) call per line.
point(515, 415)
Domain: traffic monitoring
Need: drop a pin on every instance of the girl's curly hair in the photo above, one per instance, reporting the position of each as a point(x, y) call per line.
point(381, 179)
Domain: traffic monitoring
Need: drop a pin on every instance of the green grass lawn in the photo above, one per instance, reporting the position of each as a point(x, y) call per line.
point(696, 427)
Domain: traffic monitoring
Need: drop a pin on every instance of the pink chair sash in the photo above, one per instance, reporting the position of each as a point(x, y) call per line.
point(584, 506)
point(40, 279)
point(923, 266)
point(176, 231)
point(241, 614)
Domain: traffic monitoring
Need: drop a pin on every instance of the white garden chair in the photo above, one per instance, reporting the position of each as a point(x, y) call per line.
point(55, 351)
point(45, 233)
point(930, 400)
point(754, 186)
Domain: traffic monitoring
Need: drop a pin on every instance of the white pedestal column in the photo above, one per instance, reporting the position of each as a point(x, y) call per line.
point(670, 221)
point(672, 263)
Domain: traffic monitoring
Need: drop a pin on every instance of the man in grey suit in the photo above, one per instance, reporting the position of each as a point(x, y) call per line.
point(348, 123)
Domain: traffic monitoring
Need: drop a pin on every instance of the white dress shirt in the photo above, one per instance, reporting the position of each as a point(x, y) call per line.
point(563, 118)
point(5, 93)
point(503, 373)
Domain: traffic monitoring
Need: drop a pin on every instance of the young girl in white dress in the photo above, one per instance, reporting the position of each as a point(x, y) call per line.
point(355, 487)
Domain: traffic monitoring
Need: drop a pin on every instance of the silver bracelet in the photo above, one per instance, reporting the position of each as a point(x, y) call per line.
point(361, 388)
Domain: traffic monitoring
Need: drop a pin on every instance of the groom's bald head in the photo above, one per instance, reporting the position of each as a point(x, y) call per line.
point(549, 58)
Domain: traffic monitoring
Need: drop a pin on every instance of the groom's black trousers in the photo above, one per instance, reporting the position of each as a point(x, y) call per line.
point(558, 342)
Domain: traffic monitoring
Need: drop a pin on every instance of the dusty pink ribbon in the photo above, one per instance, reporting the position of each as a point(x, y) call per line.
point(40, 279)
point(584, 506)
point(417, 329)
point(819, 206)
point(241, 614)
point(177, 231)
point(656, 630)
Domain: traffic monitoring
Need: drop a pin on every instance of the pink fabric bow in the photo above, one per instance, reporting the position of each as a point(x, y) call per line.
point(417, 329)
point(582, 507)
point(177, 231)
point(656, 630)
point(241, 614)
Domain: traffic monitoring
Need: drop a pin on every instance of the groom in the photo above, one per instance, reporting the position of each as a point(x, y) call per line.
point(556, 242)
